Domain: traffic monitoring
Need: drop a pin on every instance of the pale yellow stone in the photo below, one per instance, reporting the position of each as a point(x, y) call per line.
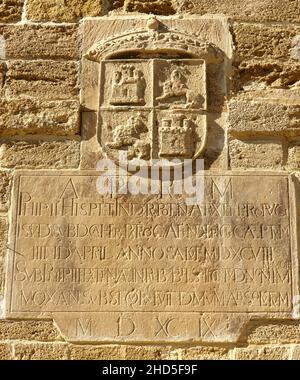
point(40, 351)
point(43, 79)
point(249, 154)
point(43, 331)
point(274, 333)
point(5, 351)
point(113, 352)
point(205, 353)
point(68, 11)
point(38, 41)
point(256, 10)
point(293, 160)
point(27, 116)
point(39, 154)
point(252, 118)
point(263, 353)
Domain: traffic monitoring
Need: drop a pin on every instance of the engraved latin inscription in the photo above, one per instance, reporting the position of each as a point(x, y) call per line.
point(73, 250)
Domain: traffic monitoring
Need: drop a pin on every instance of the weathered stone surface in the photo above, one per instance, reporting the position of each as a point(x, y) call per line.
point(97, 352)
point(11, 10)
point(22, 116)
point(204, 353)
point(40, 351)
point(293, 161)
point(43, 331)
point(263, 41)
point(43, 79)
point(295, 353)
point(143, 353)
point(134, 312)
point(5, 351)
point(262, 75)
point(5, 181)
point(263, 353)
point(39, 154)
point(3, 250)
point(159, 7)
point(255, 154)
point(68, 11)
point(274, 332)
point(250, 118)
point(2, 74)
point(38, 41)
point(257, 10)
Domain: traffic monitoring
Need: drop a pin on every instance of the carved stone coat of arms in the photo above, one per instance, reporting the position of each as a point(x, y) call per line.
point(153, 93)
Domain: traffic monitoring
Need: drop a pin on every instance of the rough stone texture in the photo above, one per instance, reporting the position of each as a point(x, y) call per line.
point(33, 116)
point(293, 161)
point(205, 353)
point(39, 154)
point(38, 41)
point(5, 351)
point(296, 353)
point(11, 10)
point(143, 353)
point(255, 75)
point(164, 7)
point(44, 79)
point(5, 179)
point(263, 353)
point(263, 41)
point(3, 250)
point(274, 333)
point(68, 11)
point(252, 118)
point(38, 97)
point(257, 10)
point(40, 351)
point(42, 331)
point(96, 352)
point(255, 154)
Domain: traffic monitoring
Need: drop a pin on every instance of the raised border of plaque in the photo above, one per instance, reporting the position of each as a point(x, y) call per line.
point(140, 320)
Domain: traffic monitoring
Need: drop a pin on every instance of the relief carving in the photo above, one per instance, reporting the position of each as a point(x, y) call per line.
point(128, 86)
point(144, 75)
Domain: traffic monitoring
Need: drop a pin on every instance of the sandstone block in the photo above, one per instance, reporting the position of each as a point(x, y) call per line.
point(33, 116)
point(5, 182)
point(11, 10)
point(159, 7)
point(274, 333)
point(261, 41)
point(293, 161)
point(37, 41)
point(205, 353)
point(255, 154)
point(16, 153)
point(43, 79)
point(263, 353)
point(143, 353)
point(43, 331)
point(3, 244)
point(42, 351)
point(257, 10)
point(67, 11)
point(252, 118)
point(267, 74)
point(296, 353)
point(96, 353)
point(5, 351)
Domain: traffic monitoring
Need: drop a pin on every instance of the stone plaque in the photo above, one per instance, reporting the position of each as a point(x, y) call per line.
point(150, 267)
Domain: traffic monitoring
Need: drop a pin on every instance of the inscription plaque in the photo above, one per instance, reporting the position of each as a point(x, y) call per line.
point(141, 268)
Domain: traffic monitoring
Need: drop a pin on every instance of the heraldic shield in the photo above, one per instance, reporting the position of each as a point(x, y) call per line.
point(153, 108)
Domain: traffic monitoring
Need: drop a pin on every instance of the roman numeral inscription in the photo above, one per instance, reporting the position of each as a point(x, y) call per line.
point(149, 267)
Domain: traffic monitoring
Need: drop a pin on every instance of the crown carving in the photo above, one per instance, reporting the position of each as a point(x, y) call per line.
point(145, 42)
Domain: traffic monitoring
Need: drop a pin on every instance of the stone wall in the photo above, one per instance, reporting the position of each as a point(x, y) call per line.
point(40, 128)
